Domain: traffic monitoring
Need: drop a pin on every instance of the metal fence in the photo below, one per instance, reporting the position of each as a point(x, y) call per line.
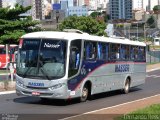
point(153, 56)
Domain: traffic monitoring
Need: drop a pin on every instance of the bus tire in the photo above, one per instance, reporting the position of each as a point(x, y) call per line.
point(85, 93)
point(126, 86)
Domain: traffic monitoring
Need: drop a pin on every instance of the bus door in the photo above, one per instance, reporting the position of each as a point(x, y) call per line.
point(75, 57)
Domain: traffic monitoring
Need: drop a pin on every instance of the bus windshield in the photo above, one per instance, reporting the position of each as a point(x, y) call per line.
point(42, 58)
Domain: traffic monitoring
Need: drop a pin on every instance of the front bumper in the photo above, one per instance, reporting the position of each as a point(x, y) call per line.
point(59, 93)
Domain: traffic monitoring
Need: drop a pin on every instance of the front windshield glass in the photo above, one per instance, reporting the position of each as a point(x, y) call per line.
point(42, 58)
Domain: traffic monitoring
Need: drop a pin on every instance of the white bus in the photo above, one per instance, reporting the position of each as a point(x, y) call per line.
point(63, 65)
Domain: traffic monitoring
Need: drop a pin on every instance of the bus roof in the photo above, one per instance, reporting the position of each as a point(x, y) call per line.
point(71, 36)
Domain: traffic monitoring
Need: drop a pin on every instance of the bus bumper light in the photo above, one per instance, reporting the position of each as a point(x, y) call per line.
point(57, 86)
point(19, 83)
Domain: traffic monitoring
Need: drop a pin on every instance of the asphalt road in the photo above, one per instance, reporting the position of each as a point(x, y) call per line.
point(30, 107)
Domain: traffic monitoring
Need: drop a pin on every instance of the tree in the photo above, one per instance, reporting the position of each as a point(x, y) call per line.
point(85, 24)
point(95, 14)
point(151, 21)
point(100, 14)
point(156, 9)
point(14, 24)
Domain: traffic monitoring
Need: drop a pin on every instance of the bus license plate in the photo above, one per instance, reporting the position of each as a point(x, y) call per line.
point(35, 93)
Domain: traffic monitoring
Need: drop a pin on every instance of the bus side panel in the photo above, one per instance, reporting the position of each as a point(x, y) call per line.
point(139, 74)
point(103, 76)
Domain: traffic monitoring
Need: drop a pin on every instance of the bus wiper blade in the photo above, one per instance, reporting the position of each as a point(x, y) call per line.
point(25, 73)
point(44, 73)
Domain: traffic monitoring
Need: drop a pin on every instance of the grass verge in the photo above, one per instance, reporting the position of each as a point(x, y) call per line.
point(149, 113)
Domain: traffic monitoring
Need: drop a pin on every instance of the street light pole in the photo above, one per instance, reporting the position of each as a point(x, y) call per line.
point(137, 31)
point(57, 17)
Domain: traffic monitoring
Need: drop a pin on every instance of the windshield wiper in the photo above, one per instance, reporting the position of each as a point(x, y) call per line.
point(44, 71)
point(25, 73)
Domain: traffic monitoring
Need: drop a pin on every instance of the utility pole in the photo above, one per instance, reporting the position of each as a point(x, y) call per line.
point(137, 31)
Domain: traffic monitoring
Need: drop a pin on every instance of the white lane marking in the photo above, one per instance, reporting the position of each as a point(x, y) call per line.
point(7, 92)
point(154, 76)
point(110, 107)
point(153, 70)
point(149, 75)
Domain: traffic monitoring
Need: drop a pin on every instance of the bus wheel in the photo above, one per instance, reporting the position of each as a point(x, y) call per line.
point(126, 86)
point(85, 93)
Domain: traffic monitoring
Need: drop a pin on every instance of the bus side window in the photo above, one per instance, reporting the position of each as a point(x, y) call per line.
point(122, 52)
point(100, 54)
point(106, 47)
point(144, 54)
point(136, 53)
point(141, 54)
point(114, 52)
point(91, 50)
point(103, 50)
point(127, 53)
point(132, 53)
point(75, 55)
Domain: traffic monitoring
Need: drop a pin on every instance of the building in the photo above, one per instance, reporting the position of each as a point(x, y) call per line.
point(152, 3)
point(146, 5)
point(86, 2)
point(120, 9)
point(64, 7)
point(78, 10)
point(38, 9)
point(93, 5)
point(137, 4)
point(107, 9)
point(102, 4)
point(54, 1)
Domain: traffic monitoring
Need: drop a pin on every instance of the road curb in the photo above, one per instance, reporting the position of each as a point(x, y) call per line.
point(7, 92)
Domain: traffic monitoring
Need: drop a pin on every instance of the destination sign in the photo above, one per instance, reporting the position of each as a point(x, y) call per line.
point(48, 45)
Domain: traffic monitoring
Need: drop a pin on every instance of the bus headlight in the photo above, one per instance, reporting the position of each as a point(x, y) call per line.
point(57, 86)
point(20, 83)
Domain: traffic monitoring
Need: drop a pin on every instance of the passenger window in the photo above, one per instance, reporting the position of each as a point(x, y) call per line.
point(75, 56)
point(103, 49)
point(114, 51)
point(136, 53)
point(141, 54)
point(90, 50)
point(132, 53)
point(124, 52)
